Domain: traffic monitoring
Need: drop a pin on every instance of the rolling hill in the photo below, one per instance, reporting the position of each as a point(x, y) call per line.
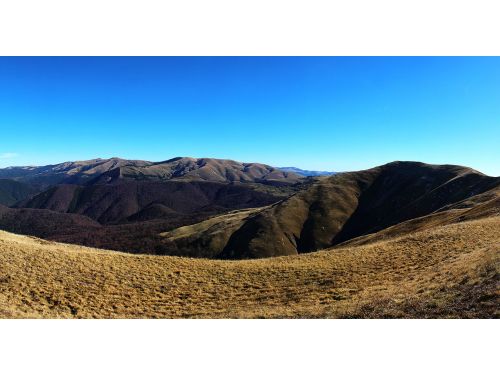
point(130, 215)
point(403, 240)
point(105, 171)
point(205, 169)
point(449, 271)
point(134, 237)
point(148, 200)
point(44, 223)
point(78, 172)
point(345, 206)
point(133, 201)
point(239, 220)
point(12, 191)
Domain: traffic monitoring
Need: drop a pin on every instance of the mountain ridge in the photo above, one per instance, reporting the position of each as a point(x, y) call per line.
point(345, 206)
point(109, 170)
point(116, 203)
point(305, 172)
point(190, 216)
point(12, 191)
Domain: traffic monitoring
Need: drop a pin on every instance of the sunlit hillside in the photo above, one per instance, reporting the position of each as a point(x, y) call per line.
point(448, 271)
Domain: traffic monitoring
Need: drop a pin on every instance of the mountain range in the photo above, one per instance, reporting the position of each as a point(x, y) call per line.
point(123, 204)
point(225, 209)
point(305, 173)
point(401, 240)
point(344, 207)
point(103, 171)
point(12, 191)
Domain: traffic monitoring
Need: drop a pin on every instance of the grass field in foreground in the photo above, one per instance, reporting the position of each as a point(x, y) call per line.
point(450, 271)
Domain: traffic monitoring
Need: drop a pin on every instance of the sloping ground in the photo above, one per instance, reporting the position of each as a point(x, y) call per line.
point(44, 223)
point(450, 271)
point(204, 169)
point(204, 239)
point(140, 237)
point(104, 171)
point(481, 206)
point(77, 172)
point(13, 191)
point(349, 205)
point(131, 214)
point(146, 200)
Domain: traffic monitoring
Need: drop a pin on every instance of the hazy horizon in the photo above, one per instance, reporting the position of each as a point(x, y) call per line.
point(212, 157)
point(315, 113)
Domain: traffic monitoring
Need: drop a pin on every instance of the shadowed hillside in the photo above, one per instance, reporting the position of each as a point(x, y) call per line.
point(13, 191)
point(343, 207)
point(132, 213)
point(134, 237)
point(134, 200)
point(403, 240)
point(44, 223)
point(257, 220)
point(146, 200)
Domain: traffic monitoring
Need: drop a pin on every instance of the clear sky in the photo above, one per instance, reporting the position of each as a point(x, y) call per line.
point(314, 113)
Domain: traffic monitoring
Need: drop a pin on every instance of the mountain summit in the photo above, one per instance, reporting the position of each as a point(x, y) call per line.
point(305, 173)
point(102, 171)
point(346, 206)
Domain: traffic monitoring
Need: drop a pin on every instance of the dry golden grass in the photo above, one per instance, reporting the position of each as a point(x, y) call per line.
point(231, 218)
point(450, 271)
point(207, 237)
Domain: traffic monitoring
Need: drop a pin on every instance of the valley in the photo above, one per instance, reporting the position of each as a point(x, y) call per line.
point(208, 238)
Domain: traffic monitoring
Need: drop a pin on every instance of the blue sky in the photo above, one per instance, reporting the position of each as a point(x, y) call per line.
point(328, 113)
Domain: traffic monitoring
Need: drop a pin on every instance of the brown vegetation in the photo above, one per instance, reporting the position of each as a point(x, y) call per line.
point(357, 207)
point(130, 216)
point(145, 200)
point(450, 271)
point(13, 191)
point(402, 196)
point(105, 171)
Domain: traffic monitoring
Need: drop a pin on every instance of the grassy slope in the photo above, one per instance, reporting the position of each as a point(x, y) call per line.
point(206, 237)
point(450, 271)
point(348, 205)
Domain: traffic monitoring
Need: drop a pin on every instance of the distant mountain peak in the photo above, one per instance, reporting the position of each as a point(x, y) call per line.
point(109, 170)
point(305, 173)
